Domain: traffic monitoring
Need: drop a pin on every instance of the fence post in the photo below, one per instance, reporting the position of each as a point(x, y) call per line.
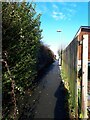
point(84, 75)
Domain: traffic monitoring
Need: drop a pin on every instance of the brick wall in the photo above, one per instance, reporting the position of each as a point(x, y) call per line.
point(89, 47)
point(80, 37)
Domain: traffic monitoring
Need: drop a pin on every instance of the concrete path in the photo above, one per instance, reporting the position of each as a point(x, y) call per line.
point(48, 99)
point(52, 98)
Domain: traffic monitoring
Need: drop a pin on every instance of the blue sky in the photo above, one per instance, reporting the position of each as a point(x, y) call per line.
point(64, 16)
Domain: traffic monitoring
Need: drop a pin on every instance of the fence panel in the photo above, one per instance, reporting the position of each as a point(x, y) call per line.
point(69, 66)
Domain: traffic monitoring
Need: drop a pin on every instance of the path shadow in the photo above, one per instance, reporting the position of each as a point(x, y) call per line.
point(30, 102)
point(61, 110)
point(42, 73)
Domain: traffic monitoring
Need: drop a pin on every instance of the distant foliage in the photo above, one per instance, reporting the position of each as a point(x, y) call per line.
point(22, 52)
point(45, 56)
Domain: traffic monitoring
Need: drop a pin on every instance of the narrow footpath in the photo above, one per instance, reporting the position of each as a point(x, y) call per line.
point(49, 98)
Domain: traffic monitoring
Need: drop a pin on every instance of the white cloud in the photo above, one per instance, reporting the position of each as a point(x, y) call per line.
point(58, 15)
point(55, 6)
point(65, 12)
point(70, 10)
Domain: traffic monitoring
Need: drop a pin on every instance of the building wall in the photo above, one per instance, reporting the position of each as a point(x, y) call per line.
point(80, 37)
point(89, 47)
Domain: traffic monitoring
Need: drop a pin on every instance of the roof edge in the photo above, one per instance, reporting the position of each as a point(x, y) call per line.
point(80, 29)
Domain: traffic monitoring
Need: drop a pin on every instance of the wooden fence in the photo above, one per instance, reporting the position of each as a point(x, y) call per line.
point(75, 68)
point(69, 66)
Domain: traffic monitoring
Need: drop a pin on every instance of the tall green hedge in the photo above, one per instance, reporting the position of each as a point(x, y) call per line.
point(22, 51)
point(21, 35)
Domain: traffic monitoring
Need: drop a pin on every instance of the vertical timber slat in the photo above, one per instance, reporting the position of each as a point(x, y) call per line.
point(84, 75)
